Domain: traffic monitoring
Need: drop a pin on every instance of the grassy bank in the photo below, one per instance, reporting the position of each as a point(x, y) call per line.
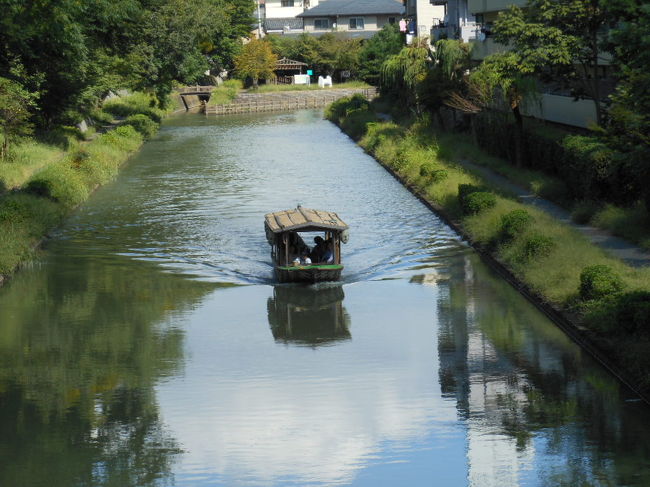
point(48, 177)
point(335, 86)
point(225, 93)
point(608, 298)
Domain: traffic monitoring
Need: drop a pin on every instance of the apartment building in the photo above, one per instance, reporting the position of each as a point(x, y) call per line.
point(281, 16)
point(356, 18)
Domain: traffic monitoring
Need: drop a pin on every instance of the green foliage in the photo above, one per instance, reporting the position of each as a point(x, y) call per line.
point(557, 41)
point(101, 117)
point(15, 103)
point(622, 313)
point(477, 201)
point(337, 110)
point(257, 60)
point(226, 92)
point(61, 183)
point(583, 211)
point(143, 124)
point(328, 54)
point(125, 106)
point(387, 42)
point(536, 246)
point(514, 223)
point(599, 281)
point(72, 54)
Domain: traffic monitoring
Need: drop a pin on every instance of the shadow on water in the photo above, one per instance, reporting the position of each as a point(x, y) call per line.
point(308, 315)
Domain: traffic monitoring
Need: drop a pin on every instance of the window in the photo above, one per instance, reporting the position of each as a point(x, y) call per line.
point(321, 23)
point(356, 23)
point(391, 20)
point(287, 3)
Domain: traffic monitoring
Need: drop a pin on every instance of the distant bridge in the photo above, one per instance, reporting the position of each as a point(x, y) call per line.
point(203, 92)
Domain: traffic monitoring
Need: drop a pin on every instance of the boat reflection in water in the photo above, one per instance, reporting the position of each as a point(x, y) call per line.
point(308, 316)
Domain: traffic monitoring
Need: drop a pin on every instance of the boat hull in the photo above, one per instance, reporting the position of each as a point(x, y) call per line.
point(310, 273)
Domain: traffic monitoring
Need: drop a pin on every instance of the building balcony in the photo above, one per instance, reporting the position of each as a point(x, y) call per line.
point(483, 6)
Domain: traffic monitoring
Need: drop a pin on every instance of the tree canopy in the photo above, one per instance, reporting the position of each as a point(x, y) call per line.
point(71, 54)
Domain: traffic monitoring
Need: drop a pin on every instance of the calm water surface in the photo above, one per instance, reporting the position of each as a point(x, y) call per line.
point(150, 347)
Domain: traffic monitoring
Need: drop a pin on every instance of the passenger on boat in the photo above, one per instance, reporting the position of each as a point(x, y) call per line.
point(328, 256)
point(298, 243)
point(319, 249)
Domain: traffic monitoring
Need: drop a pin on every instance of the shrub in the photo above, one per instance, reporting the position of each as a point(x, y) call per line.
point(599, 281)
point(633, 312)
point(536, 246)
point(478, 201)
point(584, 211)
point(100, 116)
point(355, 123)
point(514, 223)
point(340, 108)
point(131, 105)
point(433, 173)
point(143, 124)
point(628, 311)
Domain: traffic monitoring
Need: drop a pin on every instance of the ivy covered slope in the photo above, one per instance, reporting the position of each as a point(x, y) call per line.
point(610, 299)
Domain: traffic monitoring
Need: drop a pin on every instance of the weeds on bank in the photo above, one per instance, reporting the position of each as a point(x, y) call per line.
point(611, 298)
point(49, 180)
point(225, 93)
point(425, 160)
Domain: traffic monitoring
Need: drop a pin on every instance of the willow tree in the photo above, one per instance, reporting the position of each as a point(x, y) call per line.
point(257, 60)
point(405, 72)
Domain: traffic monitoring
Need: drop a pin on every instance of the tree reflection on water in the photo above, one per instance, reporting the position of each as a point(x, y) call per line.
point(81, 348)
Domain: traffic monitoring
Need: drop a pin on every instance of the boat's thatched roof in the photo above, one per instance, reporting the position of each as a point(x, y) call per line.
point(303, 219)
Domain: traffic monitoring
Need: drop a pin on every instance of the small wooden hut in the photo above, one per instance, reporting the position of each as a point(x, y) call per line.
point(286, 68)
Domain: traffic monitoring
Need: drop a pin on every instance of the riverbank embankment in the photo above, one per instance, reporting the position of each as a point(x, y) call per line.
point(246, 102)
point(40, 194)
point(601, 302)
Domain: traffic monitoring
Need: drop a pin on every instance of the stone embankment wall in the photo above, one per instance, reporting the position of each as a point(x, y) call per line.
point(286, 100)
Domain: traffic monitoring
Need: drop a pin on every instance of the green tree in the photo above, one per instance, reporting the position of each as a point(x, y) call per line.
point(404, 73)
point(629, 116)
point(387, 42)
point(257, 60)
point(560, 41)
point(15, 103)
point(501, 80)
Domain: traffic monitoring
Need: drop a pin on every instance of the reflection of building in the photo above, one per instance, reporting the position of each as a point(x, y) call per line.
point(307, 315)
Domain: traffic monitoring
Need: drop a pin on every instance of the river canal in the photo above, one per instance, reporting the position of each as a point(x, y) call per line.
point(150, 347)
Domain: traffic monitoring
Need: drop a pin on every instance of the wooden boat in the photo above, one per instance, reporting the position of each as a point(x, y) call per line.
point(283, 231)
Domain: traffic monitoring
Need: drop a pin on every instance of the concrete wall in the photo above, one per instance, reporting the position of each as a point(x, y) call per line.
point(275, 10)
point(565, 110)
point(427, 16)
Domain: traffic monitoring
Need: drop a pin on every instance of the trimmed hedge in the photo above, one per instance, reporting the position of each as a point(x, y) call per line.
point(477, 201)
